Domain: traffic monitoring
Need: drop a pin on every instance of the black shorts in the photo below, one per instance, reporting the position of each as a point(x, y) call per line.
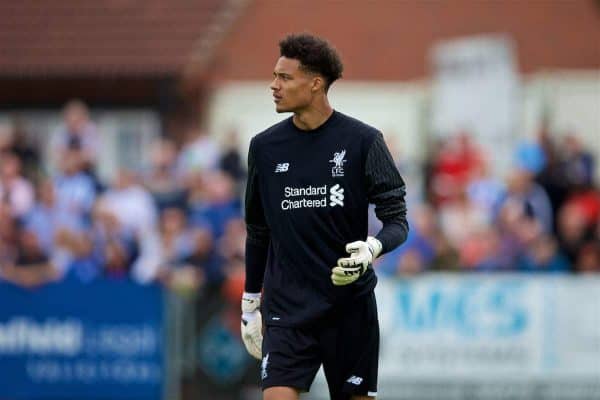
point(346, 342)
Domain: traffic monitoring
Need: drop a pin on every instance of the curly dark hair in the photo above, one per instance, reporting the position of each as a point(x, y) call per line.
point(315, 55)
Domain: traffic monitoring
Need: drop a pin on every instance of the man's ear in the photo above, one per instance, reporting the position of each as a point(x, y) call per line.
point(318, 83)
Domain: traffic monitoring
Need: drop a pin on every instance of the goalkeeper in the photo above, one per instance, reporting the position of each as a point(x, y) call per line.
point(311, 178)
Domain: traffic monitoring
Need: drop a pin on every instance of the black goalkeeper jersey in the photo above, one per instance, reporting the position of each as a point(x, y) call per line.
point(307, 197)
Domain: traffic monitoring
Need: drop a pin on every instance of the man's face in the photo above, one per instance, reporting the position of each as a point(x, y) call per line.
point(293, 88)
point(75, 119)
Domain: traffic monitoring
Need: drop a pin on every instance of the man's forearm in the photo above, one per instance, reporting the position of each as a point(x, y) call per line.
point(256, 259)
point(392, 234)
point(257, 247)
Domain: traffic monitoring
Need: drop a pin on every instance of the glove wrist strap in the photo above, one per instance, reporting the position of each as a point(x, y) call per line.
point(250, 302)
point(375, 246)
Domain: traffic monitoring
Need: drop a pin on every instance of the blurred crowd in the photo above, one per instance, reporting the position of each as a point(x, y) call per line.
point(543, 216)
point(178, 220)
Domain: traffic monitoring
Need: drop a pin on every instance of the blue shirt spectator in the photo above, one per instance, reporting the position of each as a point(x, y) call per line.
point(543, 256)
point(75, 191)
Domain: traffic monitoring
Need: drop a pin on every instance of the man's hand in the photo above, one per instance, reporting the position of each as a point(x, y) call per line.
point(252, 324)
point(351, 268)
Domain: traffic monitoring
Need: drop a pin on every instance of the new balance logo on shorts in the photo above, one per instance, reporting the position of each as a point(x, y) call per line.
point(355, 380)
point(283, 167)
point(263, 367)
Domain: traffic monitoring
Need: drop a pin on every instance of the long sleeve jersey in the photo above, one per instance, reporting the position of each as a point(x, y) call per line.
point(307, 196)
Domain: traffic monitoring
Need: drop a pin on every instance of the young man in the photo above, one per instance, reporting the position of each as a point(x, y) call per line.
point(311, 179)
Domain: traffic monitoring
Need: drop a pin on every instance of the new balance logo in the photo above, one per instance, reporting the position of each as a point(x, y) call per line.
point(283, 167)
point(336, 197)
point(263, 367)
point(355, 380)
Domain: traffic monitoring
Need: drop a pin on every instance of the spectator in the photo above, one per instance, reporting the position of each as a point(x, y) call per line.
point(199, 153)
point(543, 256)
point(529, 196)
point(588, 258)
point(231, 160)
point(77, 135)
point(14, 139)
point(411, 263)
point(131, 203)
point(429, 169)
point(578, 163)
point(84, 265)
point(8, 236)
point(214, 202)
point(47, 218)
point(446, 257)
point(421, 240)
point(176, 239)
point(587, 201)
point(453, 167)
point(200, 270)
point(75, 191)
point(117, 259)
point(573, 231)
point(29, 251)
point(485, 191)
point(115, 246)
point(515, 231)
point(461, 219)
point(482, 251)
point(232, 245)
point(25, 263)
point(530, 157)
point(552, 177)
point(6, 138)
point(206, 259)
point(15, 190)
point(134, 209)
point(162, 180)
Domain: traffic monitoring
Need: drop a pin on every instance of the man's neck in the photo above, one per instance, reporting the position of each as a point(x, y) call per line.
point(312, 117)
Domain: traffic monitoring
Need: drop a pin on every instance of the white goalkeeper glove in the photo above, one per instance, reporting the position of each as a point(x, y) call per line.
point(252, 324)
point(351, 268)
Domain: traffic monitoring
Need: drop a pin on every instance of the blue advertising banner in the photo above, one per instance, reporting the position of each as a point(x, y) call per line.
point(67, 340)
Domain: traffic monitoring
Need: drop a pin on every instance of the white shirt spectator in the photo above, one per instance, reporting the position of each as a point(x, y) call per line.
point(460, 220)
point(15, 190)
point(200, 154)
point(19, 195)
point(134, 207)
point(78, 133)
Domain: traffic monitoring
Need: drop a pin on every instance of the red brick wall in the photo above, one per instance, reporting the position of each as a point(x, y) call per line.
point(100, 38)
point(391, 40)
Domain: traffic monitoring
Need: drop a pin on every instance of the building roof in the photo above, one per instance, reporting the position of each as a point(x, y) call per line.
point(100, 37)
point(392, 40)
